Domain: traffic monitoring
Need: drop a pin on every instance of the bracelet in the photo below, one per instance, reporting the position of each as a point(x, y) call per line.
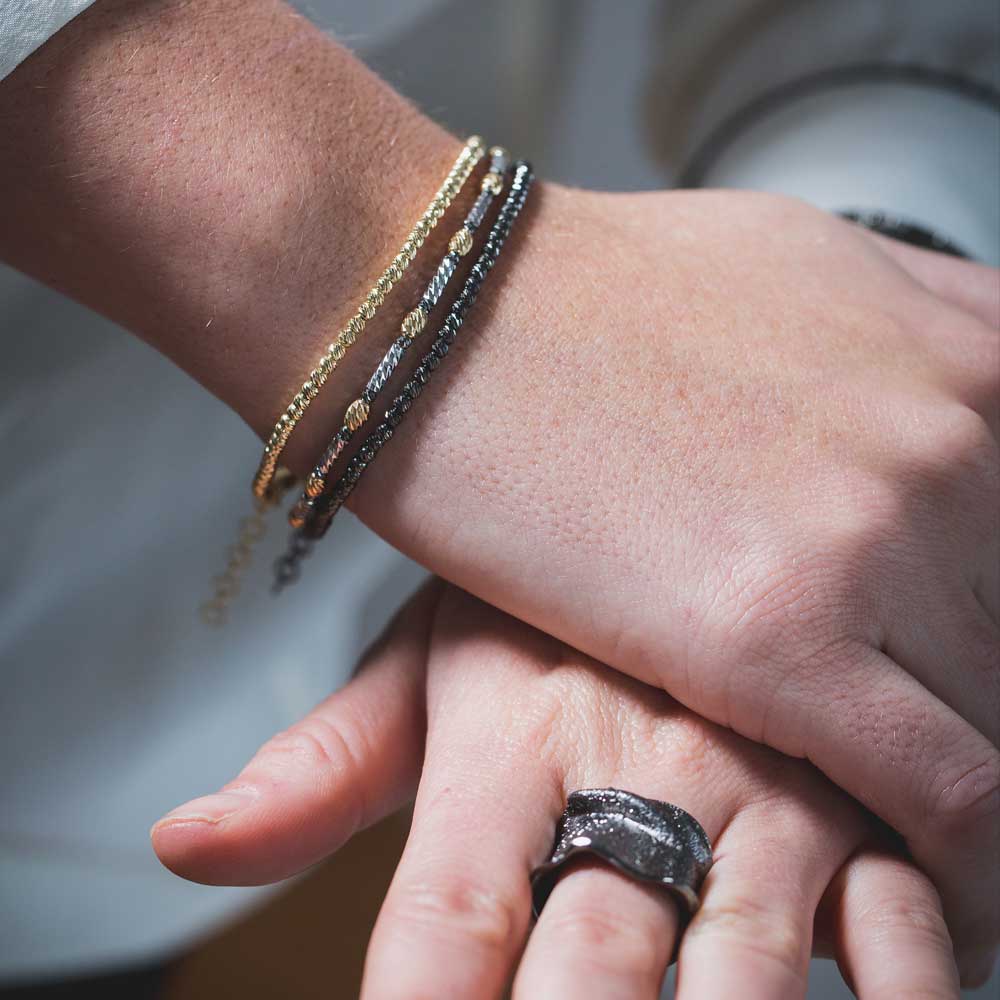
point(331, 502)
point(457, 176)
point(357, 413)
point(326, 507)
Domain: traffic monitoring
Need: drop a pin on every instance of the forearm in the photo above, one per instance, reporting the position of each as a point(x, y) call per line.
point(219, 178)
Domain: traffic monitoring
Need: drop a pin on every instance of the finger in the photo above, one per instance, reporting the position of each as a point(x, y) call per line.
point(913, 762)
point(953, 646)
point(457, 912)
point(966, 357)
point(601, 936)
point(986, 591)
point(959, 321)
point(752, 936)
point(968, 285)
point(352, 760)
point(889, 934)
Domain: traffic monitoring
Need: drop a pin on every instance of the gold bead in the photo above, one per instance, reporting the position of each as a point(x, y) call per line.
point(461, 242)
point(357, 414)
point(314, 485)
point(350, 332)
point(493, 183)
point(414, 323)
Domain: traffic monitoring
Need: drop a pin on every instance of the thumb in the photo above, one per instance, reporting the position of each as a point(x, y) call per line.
point(355, 758)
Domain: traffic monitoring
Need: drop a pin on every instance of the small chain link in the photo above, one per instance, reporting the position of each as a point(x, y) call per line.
point(252, 528)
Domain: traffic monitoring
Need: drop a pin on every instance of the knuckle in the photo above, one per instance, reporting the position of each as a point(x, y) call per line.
point(604, 937)
point(963, 432)
point(530, 725)
point(813, 594)
point(695, 748)
point(817, 610)
point(769, 606)
point(308, 745)
point(961, 439)
point(749, 925)
point(312, 748)
point(897, 915)
point(568, 709)
point(977, 646)
point(794, 625)
point(477, 914)
point(315, 751)
point(965, 800)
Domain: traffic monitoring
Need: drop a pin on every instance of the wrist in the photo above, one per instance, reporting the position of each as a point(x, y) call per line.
point(215, 191)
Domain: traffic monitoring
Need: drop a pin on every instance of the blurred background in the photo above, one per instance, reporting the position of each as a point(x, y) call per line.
point(118, 703)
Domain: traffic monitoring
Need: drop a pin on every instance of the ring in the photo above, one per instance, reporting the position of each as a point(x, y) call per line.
point(651, 841)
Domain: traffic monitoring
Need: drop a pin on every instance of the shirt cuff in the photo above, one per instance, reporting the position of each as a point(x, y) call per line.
point(27, 24)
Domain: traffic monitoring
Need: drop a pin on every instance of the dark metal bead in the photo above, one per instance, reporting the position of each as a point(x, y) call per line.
point(324, 510)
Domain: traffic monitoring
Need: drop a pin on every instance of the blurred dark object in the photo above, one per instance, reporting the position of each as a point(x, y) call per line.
point(145, 983)
point(310, 941)
point(908, 232)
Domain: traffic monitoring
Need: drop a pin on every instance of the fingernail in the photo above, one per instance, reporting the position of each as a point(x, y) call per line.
point(211, 808)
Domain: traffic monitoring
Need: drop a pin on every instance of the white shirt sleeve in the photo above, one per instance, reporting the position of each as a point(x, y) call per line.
point(27, 24)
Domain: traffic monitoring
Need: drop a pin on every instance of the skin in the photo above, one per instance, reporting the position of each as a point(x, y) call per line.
point(722, 442)
point(476, 694)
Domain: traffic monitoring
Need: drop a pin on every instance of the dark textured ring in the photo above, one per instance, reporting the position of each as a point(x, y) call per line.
point(649, 841)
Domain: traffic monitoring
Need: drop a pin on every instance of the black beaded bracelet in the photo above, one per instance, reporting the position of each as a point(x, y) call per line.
point(327, 505)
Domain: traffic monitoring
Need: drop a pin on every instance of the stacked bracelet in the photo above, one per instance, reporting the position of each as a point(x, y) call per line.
point(326, 506)
point(271, 481)
point(457, 176)
point(414, 322)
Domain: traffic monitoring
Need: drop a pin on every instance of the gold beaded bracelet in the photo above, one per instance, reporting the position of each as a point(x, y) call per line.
point(267, 480)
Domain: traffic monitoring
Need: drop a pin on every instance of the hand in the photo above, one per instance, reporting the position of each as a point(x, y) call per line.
point(727, 444)
point(514, 722)
point(722, 442)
